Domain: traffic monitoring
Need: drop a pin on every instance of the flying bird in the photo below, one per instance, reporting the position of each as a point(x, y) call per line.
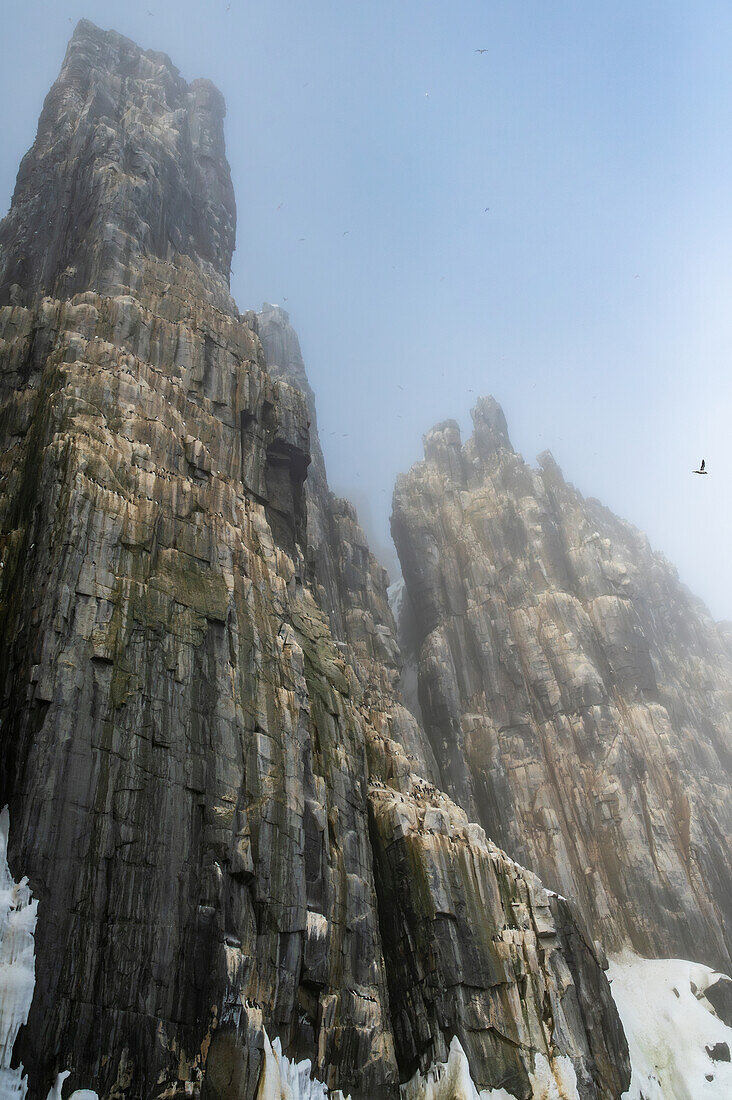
point(702, 468)
point(481, 51)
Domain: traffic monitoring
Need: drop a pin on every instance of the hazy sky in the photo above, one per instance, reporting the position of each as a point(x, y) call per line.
point(592, 298)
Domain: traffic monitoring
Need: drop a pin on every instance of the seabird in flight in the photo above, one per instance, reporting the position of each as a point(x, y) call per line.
point(701, 469)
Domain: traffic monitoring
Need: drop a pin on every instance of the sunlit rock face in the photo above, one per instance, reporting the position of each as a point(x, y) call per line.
point(576, 696)
point(200, 739)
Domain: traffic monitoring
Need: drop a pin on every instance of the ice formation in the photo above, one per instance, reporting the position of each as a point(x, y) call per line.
point(451, 1080)
point(669, 1025)
point(18, 915)
point(55, 1091)
point(285, 1080)
point(395, 596)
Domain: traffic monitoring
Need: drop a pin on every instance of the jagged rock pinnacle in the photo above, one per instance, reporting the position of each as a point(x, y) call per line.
point(577, 695)
point(490, 427)
point(128, 164)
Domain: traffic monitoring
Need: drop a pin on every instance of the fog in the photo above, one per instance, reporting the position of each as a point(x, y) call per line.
point(547, 221)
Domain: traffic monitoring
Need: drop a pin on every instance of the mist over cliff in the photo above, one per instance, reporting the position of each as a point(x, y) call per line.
point(281, 845)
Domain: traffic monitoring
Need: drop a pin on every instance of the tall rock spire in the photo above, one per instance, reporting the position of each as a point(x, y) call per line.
point(128, 164)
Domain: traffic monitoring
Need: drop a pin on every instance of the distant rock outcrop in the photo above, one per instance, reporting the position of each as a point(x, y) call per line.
point(577, 697)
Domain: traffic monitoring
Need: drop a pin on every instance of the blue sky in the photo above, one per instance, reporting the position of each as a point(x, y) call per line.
point(592, 298)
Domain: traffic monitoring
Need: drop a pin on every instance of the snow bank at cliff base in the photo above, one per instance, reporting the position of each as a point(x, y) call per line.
point(670, 1026)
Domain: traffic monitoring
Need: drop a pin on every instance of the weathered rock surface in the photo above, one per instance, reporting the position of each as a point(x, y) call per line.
point(197, 670)
point(577, 697)
point(476, 948)
point(182, 744)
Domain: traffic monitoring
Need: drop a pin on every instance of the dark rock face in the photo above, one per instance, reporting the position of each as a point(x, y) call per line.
point(200, 741)
point(719, 996)
point(576, 696)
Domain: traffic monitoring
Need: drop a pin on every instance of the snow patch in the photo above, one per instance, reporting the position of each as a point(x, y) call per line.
point(317, 926)
point(669, 1027)
point(18, 916)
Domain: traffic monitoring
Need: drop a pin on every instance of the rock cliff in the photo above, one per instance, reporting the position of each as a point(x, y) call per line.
point(576, 696)
point(227, 817)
